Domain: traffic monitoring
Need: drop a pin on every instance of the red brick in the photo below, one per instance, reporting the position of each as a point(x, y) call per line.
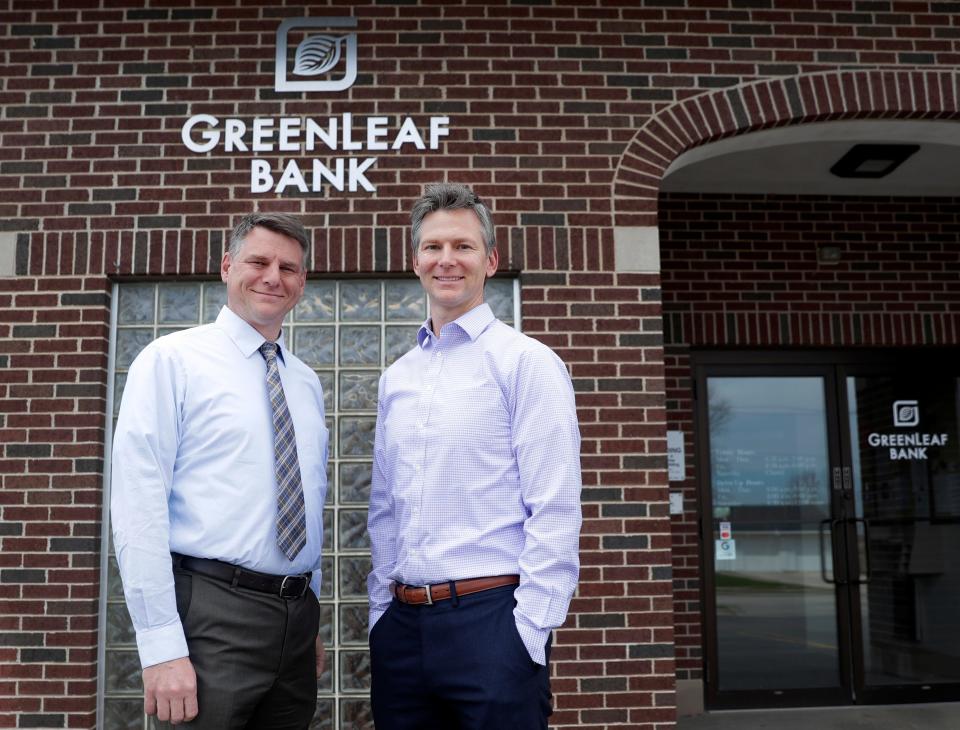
point(589, 168)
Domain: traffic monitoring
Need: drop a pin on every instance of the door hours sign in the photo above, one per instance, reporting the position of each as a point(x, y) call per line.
point(676, 460)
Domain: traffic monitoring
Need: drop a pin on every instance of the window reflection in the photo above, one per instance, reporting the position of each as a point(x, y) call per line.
point(908, 499)
point(769, 466)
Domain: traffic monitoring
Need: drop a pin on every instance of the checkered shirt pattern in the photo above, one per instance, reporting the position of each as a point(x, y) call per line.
point(291, 515)
point(477, 470)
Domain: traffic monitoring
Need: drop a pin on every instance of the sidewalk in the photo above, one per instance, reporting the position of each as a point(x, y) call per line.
point(938, 716)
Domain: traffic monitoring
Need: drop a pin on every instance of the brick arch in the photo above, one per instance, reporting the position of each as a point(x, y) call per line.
point(819, 97)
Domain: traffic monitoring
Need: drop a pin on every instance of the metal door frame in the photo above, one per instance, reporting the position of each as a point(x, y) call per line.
point(722, 364)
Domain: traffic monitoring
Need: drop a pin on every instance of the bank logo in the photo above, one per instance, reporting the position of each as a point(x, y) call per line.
point(316, 60)
point(906, 413)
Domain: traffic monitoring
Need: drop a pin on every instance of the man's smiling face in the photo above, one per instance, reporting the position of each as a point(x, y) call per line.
point(264, 280)
point(452, 263)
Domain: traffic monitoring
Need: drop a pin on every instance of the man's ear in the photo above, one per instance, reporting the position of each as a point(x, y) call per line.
point(303, 282)
point(493, 261)
point(225, 264)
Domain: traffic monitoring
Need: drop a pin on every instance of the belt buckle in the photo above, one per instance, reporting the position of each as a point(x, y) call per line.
point(429, 592)
point(283, 586)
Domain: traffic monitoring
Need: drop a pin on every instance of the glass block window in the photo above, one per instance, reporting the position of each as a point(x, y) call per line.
point(348, 331)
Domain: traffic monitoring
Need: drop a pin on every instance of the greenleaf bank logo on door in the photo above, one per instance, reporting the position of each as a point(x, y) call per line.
point(907, 446)
point(322, 61)
point(906, 413)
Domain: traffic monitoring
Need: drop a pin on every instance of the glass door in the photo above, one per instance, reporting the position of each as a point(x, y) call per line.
point(904, 449)
point(830, 527)
point(773, 604)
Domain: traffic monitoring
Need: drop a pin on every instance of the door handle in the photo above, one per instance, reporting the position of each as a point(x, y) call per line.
point(847, 479)
point(866, 550)
point(823, 559)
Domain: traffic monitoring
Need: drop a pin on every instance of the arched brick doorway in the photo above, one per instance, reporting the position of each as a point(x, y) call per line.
point(700, 120)
point(771, 103)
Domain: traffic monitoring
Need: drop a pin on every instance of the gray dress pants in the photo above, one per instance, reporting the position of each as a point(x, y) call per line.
point(254, 654)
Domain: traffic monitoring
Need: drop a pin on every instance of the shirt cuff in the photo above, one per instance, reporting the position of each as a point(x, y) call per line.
point(162, 644)
point(534, 639)
point(375, 614)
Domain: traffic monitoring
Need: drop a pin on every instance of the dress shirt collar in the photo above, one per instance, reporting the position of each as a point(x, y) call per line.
point(473, 323)
point(244, 336)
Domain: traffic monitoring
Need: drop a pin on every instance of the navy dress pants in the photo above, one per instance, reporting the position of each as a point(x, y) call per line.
point(459, 664)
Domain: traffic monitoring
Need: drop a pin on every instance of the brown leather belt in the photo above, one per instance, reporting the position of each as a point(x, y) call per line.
point(418, 595)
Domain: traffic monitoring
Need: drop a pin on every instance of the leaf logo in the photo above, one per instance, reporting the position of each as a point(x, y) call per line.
point(318, 54)
point(325, 59)
point(906, 413)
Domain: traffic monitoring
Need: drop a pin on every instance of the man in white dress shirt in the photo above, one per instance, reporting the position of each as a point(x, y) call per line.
point(219, 478)
point(475, 502)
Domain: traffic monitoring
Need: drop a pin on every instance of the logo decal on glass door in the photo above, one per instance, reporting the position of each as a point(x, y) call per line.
point(906, 413)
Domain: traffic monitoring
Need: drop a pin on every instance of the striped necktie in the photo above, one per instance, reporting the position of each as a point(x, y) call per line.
point(291, 515)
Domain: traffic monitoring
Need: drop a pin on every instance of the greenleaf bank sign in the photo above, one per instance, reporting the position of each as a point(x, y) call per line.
point(310, 148)
point(908, 446)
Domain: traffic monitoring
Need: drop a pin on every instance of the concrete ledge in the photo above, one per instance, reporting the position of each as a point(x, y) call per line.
point(636, 249)
point(689, 697)
point(8, 254)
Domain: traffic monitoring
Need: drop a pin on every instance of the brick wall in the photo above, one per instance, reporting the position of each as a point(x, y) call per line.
point(742, 270)
point(543, 101)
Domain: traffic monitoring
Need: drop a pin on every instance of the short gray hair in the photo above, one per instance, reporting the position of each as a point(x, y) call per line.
point(451, 196)
point(285, 225)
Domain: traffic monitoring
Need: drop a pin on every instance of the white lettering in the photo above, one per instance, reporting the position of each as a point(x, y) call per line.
point(348, 143)
point(289, 134)
point(322, 171)
point(908, 439)
point(262, 135)
point(438, 128)
point(408, 133)
point(292, 176)
point(233, 136)
point(376, 128)
point(919, 452)
point(357, 176)
point(260, 178)
point(204, 132)
point(327, 136)
point(210, 138)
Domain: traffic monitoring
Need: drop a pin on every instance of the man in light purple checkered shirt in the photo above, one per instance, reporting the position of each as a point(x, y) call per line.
point(475, 503)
